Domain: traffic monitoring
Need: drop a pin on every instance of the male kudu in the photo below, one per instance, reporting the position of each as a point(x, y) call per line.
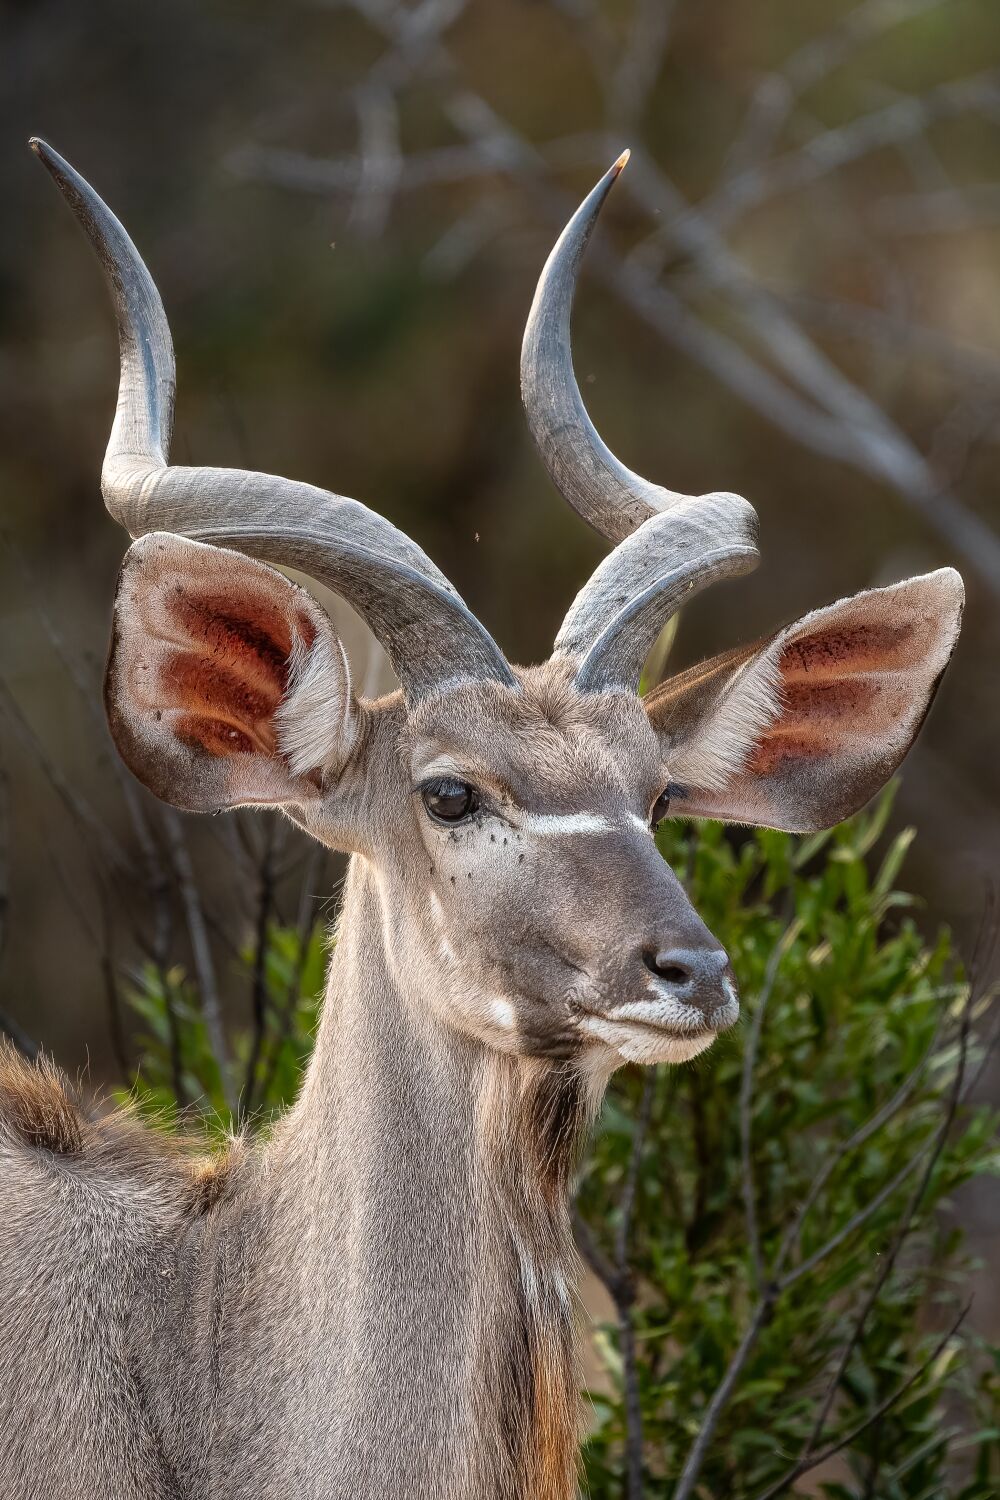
point(377, 1299)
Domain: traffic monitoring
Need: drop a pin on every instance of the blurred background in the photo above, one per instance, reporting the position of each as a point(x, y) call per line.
point(346, 204)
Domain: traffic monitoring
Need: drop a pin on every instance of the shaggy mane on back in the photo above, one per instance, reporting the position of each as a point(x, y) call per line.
point(41, 1110)
point(36, 1104)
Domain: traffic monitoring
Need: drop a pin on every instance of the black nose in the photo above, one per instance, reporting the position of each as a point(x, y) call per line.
point(696, 975)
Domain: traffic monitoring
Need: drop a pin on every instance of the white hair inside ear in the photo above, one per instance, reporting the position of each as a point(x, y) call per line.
point(728, 735)
point(317, 721)
point(798, 732)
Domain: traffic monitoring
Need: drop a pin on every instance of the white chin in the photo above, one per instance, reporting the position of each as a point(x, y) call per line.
point(640, 1044)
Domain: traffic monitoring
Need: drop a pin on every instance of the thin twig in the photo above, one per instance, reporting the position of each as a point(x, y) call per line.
point(641, 60)
point(92, 827)
point(4, 858)
point(307, 917)
point(626, 1206)
point(905, 1226)
point(201, 952)
point(891, 125)
point(875, 1121)
point(24, 1043)
point(380, 159)
point(617, 1277)
point(723, 1391)
point(265, 905)
point(112, 995)
point(625, 1298)
point(592, 1253)
point(777, 92)
point(780, 948)
point(767, 1292)
point(888, 330)
point(851, 1436)
point(633, 1406)
point(857, 1220)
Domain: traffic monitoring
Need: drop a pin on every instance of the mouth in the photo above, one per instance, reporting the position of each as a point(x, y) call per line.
point(659, 1030)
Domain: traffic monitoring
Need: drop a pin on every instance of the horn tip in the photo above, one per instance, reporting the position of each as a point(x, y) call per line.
point(48, 158)
point(622, 161)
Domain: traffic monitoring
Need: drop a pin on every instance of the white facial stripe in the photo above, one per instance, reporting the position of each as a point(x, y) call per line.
point(558, 825)
point(640, 823)
point(436, 911)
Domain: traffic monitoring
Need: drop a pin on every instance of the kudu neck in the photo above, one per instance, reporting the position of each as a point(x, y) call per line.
point(430, 1175)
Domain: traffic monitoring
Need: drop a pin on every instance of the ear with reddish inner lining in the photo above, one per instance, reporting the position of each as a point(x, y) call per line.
point(801, 730)
point(226, 684)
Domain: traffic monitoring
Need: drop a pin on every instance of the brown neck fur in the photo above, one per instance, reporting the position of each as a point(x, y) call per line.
point(530, 1119)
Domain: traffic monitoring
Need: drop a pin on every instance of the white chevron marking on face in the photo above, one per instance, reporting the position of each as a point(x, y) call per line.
point(558, 825)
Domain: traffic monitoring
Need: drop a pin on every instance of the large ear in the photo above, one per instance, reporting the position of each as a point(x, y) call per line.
point(226, 684)
point(801, 730)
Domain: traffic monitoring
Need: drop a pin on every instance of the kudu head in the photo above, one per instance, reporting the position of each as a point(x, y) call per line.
point(506, 814)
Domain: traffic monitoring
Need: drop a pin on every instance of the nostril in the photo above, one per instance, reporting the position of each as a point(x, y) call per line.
point(666, 966)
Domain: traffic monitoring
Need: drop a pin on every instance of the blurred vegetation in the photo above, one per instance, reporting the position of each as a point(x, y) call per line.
point(177, 1063)
point(840, 1112)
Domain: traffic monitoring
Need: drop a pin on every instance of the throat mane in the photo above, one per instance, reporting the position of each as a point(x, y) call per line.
point(531, 1121)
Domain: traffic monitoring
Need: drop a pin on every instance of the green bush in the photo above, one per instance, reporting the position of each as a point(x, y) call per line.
point(717, 1200)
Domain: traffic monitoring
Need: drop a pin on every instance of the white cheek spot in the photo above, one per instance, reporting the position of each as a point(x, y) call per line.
point(502, 1013)
point(557, 825)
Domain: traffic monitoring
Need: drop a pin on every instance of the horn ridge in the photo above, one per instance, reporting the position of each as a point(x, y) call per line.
point(668, 543)
point(144, 419)
point(616, 658)
point(609, 496)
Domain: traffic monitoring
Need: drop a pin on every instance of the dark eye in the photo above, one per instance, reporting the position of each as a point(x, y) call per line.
point(449, 800)
point(660, 807)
